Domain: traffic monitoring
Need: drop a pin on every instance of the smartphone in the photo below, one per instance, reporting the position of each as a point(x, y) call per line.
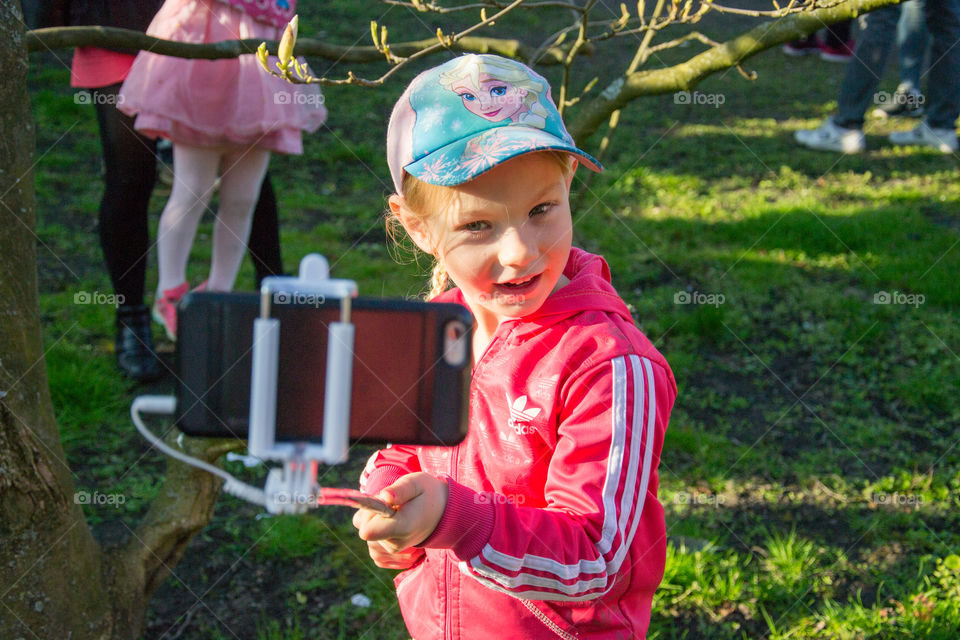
point(411, 368)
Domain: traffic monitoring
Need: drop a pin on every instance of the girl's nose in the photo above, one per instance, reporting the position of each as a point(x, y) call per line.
point(517, 249)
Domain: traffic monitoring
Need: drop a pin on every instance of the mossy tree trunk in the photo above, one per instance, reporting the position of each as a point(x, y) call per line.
point(55, 579)
point(49, 561)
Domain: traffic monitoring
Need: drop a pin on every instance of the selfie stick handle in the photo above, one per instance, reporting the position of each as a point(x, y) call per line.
point(263, 386)
point(336, 403)
point(313, 284)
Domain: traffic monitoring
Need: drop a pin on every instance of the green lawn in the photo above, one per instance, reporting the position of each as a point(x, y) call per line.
point(811, 472)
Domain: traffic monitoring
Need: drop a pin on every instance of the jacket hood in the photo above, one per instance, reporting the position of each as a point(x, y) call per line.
point(589, 289)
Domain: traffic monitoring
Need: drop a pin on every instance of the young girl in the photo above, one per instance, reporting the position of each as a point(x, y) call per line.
point(544, 522)
point(224, 117)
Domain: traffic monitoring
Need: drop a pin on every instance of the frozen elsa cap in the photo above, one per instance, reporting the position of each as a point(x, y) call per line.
point(470, 114)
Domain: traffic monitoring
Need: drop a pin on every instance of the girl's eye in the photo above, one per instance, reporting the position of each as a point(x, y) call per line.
point(469, 97)
point(475, 227)
point(498, 91)
point(540, 209)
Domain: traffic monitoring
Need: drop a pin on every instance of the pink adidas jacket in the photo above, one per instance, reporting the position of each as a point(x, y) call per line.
point(552, 526)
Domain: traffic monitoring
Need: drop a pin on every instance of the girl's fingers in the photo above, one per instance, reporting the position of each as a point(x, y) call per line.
point(393, 560)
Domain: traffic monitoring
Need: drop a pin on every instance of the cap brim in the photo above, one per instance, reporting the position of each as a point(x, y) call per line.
point(467, 158)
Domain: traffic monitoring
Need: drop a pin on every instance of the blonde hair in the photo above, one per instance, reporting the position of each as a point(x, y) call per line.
point(425, 200)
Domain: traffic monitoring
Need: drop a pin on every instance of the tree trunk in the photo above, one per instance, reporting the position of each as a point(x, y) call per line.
point(55, 580)
point(50, 583)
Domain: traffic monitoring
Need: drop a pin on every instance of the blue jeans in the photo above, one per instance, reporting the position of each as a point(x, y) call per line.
point(877, 29)
point(912, 40)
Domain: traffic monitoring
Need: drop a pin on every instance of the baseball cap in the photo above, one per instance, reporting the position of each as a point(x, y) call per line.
point(466, 116)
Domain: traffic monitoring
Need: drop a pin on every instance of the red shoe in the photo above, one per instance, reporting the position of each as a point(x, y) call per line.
point(837, 53)
point(165, 308)
point(802, 47)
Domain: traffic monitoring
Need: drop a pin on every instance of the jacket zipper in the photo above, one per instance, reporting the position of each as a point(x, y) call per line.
point(447, 577)
point(542, 617)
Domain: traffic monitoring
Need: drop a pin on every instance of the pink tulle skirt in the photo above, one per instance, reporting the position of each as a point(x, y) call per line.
point(209, 103)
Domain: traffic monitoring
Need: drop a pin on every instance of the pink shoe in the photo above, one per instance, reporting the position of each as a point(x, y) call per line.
point(200, 287)
point(165, 308)
point(804, 46)
point(837, 53)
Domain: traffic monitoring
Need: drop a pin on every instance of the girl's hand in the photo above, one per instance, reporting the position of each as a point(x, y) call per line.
point(386, 560)
point(421, 500)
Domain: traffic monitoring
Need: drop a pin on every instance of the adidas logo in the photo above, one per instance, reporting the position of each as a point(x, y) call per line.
point(520, 416)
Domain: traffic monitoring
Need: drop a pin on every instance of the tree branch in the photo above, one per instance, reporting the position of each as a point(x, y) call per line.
point(114, 38)
point(687, 75)
point(446, 42)
point(183, 507)
point(433, 8)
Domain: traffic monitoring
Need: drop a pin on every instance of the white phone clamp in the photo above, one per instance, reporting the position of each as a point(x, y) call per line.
point(314, 283)
point(293, 487)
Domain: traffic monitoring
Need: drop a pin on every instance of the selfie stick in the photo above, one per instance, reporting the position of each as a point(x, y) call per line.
point(313, 285)
point(293, 487)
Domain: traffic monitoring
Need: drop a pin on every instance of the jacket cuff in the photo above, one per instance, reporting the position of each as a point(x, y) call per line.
point(382, 477)
point(466, 524)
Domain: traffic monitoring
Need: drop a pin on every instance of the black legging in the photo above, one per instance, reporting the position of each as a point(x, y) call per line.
point(130, 160)
point(838, 34)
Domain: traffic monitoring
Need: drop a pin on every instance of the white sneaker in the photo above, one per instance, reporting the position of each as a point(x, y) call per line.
point(943, 140)
point(832, 137)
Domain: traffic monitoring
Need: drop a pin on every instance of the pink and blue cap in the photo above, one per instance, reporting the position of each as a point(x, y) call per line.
point(470, 114)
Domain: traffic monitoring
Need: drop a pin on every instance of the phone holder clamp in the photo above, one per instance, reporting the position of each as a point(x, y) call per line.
point(312, 284)
point(293, 487)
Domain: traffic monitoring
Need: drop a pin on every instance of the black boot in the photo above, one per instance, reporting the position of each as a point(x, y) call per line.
point(134, 344)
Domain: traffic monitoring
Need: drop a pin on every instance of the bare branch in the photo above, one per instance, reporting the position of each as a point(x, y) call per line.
point(791, 7)
point(577, 45)
point(694, 35)
point(687, 75)
point(434, 8)
point(448, 41)
point(640, 56)
point(113, 38)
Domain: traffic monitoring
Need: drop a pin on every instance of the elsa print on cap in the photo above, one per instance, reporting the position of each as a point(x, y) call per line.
point(497, 89)
point(471, 113)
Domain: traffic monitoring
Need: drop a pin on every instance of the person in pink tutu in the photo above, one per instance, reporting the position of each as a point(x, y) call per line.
point(224, 117)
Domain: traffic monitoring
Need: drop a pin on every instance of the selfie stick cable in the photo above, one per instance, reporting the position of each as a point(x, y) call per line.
point(167, 405)
point(293, 487)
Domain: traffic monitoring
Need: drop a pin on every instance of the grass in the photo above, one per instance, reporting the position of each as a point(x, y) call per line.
point(811, 472)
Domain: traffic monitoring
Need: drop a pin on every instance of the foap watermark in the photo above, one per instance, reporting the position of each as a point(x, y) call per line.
point(99, 499)
point(698, 98)
point(285, 497)
point(97, 97)
point(898, 297)
point(699, 499)
point(315, 300)
point(698, 297)
point(498, 498)
point(896, 499)
point(501, 298)
point(96, 297)
point(299, 98)
point(909, 99)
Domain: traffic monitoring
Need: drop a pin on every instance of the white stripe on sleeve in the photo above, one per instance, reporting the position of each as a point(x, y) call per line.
point(624, 525)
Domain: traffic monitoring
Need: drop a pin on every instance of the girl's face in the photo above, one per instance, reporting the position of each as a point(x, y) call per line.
point(494, 99)
point(504, 237)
